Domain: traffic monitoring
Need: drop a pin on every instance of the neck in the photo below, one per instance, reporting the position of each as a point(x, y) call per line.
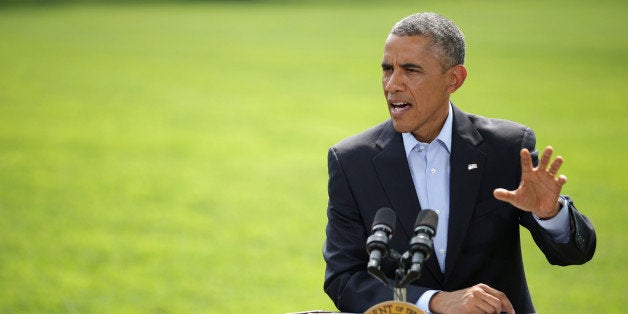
point(428, 133)
point(426, 138)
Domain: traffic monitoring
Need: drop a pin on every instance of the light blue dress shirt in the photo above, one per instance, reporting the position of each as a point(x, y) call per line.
point(430, 169)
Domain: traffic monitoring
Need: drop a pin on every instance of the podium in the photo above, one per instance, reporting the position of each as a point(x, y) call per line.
point(394, 307)
point(320, 312)
point(388, 307)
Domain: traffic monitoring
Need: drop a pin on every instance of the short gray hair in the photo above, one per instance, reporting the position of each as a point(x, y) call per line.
point(447, 38)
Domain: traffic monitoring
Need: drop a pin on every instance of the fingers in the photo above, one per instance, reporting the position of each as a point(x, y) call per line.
point(477, 299)
point(504, 303)
point(545, 157)
point(544, 162)
point(484, 299)
point(488, 303)
point(562, 179)
point(526, 161)
point(553, 169)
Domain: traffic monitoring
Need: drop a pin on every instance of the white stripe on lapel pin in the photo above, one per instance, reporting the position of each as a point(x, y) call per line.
point(472, 166)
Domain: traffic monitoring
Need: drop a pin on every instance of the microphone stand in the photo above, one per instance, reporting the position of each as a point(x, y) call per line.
point(399, 290)
point(403, 276)
point(399, 302)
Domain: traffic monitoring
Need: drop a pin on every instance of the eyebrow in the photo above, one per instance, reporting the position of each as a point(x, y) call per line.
point(404, 66)
point(412, 66)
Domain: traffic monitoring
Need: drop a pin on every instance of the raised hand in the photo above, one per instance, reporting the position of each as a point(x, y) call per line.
point(539, 188)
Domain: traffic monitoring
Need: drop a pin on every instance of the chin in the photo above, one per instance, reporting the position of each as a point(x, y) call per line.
point(401, 128)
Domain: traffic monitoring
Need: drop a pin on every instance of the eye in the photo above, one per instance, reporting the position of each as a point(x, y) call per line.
point(413, 70)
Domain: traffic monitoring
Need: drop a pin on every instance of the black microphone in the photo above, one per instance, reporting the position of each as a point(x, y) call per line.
point(377, 243)
point(421, 244)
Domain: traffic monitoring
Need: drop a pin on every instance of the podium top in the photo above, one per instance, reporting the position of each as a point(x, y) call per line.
point(320, 312)
point(387, 307)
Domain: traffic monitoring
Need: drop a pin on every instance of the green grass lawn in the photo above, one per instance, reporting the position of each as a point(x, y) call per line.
point(171, 158)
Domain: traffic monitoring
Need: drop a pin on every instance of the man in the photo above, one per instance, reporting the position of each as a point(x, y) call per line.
point(481, 175)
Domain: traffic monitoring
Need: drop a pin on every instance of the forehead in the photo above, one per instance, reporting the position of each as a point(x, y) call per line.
point(408, 48)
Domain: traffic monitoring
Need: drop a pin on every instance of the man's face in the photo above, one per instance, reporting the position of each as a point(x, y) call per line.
point(416, 87)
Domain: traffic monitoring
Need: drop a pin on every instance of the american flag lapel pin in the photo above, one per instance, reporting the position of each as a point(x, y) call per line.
point(472, 166)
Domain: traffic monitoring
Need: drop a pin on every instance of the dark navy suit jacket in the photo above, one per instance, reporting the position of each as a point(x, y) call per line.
point(370, 170)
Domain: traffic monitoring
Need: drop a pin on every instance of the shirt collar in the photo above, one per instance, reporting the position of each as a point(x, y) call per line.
point(444, 137)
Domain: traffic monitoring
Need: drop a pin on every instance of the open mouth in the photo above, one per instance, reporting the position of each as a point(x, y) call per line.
point(399, 106)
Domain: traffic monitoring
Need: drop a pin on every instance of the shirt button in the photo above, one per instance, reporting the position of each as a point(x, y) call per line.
point(433, 171)
point(441, 251)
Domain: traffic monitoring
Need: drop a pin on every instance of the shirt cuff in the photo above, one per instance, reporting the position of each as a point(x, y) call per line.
point(557, 226)
point(424, 301)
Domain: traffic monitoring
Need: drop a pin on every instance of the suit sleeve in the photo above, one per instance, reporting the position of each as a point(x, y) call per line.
point(582, 238)
point(347, 282)
point(581, 245)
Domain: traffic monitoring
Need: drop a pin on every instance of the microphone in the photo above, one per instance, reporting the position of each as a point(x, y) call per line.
point(377, 243)
point(421, 244)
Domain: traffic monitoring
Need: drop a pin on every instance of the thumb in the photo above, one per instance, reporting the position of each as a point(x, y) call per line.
point(503, 195)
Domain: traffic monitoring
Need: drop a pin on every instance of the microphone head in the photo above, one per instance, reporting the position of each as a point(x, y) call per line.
point(426, 218)
point(385, 216)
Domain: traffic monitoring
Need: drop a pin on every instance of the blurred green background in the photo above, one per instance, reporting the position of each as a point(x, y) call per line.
point(171, 157)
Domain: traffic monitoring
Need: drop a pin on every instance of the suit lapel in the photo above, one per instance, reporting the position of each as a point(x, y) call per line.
point(392, 168)
point(467, 166)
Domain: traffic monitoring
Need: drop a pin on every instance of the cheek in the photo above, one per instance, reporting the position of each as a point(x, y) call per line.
point(419, 93)
point(424, 91)
point(418, 85)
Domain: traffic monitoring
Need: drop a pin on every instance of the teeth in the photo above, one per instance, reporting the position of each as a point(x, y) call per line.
point(397, 104)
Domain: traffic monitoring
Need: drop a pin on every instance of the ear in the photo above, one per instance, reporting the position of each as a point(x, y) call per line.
point(457, 75)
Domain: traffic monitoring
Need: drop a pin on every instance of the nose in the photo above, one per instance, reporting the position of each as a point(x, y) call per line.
point(393, 82)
